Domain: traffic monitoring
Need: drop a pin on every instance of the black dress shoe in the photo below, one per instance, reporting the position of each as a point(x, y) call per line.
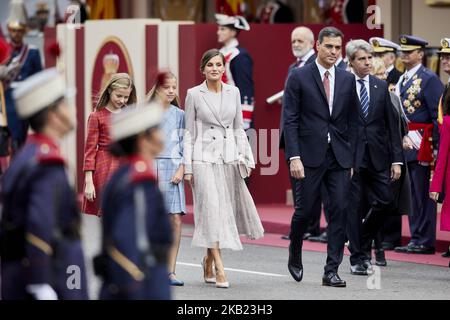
point(323, 238)
point(422, 250)
point(368, 265)
point(333, 280)
point(404, 249)
point(307, 235)
point(380, 258)
point(358, 270)
point(286, 237)
point(295, 266)
point(446, 254)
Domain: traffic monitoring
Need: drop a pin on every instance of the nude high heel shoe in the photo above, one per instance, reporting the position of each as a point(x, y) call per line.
point(207, 280)
point(221, 285)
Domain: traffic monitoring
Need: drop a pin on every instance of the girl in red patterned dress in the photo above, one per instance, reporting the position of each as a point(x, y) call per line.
point(99, 164)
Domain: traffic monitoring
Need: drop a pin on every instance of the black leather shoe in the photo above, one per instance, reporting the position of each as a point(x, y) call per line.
point(368, 265)
point(307, 235)
point(380, 258)
point(295, 266)
point(323, 238)
point(446, 254)
point(422, 250)
point(333, 280)
point(358, 270)
point(404, 249)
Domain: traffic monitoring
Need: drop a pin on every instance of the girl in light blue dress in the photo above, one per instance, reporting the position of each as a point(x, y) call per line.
point(169, 164)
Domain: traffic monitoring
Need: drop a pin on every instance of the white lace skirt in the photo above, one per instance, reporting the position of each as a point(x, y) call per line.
point(223, 207)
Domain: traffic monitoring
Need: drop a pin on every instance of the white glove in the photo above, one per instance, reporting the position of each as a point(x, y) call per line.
point(42, 292)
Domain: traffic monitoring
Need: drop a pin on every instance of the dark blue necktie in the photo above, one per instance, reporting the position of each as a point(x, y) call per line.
point(364, 98)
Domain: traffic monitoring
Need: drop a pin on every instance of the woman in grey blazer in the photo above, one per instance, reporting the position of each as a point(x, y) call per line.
point(217, 159)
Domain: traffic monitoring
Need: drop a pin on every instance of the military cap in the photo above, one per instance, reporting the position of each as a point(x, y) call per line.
point(410, 43)
point(40, 91)
point(135, 119)
point(236, 22)
point(445, 44)
point(381, 45)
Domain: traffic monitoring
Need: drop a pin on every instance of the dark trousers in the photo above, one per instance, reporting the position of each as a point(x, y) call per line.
point(314, 225)
point(392, 230)
point(336, 180)
point(422, 222)
point(363, 225)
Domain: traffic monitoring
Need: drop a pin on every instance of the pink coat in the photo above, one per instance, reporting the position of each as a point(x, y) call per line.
point(441, 177)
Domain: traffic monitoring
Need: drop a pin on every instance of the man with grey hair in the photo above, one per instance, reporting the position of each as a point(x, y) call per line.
point(302, 40)
point(378, 157)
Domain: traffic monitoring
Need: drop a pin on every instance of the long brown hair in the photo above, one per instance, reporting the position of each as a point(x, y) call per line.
point(117, 81)
point(161, 79)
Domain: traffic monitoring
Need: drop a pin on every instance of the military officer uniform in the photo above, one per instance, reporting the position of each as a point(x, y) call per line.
point(26, 60)
point(381, 47)
point(136, 229)
point(41, 253)
point(420, 90)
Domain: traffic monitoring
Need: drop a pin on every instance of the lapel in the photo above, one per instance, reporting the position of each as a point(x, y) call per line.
point(374, 90)
point(214, 109)
point(408, 84)
point(338, 79)
point(316, 75)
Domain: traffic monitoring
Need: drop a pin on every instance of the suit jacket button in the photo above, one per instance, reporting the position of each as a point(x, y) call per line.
point(214, 138)
point(228, 127)
point(212, 127)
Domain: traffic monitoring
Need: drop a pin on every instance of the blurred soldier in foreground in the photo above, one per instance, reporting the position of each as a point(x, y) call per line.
point(136, 230)
point(41, 254)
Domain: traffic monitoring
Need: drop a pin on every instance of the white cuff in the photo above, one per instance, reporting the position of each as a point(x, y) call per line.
point(42, 291)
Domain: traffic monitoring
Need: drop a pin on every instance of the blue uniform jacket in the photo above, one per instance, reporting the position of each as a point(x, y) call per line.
point(32, 65)
point(40, 224)
point(421, 103)
point(130, 272)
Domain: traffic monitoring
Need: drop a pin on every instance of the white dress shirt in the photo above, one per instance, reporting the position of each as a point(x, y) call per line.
point(331, 78)
point(305, 58)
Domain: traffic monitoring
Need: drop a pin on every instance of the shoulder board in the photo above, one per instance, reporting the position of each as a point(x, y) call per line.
point(46, 154)
point(141, 171)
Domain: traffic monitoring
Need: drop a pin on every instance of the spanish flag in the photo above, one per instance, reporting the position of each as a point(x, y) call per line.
point(102, 9)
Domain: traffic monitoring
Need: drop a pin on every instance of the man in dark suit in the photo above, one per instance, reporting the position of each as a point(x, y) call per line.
point(386, 50)
point(379, 157)
point(320, 102)
point(391, 233)
point(302, 41)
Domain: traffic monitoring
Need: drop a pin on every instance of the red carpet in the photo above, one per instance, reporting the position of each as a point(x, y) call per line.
point(276, 221)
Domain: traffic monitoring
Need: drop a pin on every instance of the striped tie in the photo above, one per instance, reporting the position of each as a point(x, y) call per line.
point(364, 98)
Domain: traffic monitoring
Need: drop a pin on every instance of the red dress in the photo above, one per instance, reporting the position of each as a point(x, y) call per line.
point(441, 176)
point(97, 157)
